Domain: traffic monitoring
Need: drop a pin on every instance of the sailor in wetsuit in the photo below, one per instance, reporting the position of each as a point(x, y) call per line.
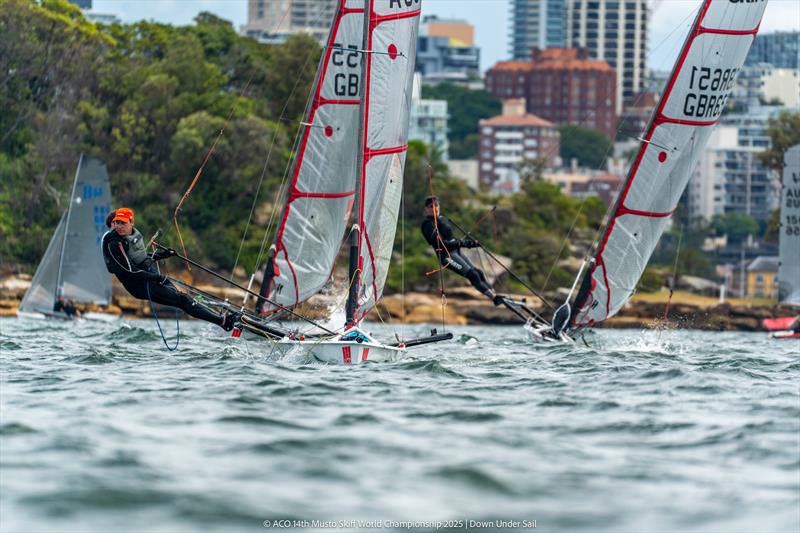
point(66, 306)
point(125, 254)
point(439, 233)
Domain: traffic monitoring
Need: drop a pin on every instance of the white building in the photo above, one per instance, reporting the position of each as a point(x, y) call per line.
point(428, 119)
point(615, 32)
point(273, 21)
point(761, 83)
point(729, 177)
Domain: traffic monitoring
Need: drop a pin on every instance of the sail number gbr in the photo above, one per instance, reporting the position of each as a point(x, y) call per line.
point(347, 58)
point(698, 103)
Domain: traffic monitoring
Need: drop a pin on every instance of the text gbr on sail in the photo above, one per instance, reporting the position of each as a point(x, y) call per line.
point(702, 105)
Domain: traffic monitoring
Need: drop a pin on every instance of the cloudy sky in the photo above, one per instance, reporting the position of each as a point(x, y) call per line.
point(490, 17)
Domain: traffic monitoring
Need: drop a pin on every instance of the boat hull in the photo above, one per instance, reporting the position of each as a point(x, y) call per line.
point(538, 334)
point(344, 352)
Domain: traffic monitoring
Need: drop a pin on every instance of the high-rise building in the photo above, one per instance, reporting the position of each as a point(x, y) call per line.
point(780, 49)
point(446, 50)
point(536, 24)
point(275, 20)
point(83, 4)
point(614, 32)
point(764, 83)
point(729, 177)
point(562, 85)
point(507, 140)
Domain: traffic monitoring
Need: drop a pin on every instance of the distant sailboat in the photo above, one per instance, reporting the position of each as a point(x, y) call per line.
point(695, 95)
point(72, 265)
point(789, 247)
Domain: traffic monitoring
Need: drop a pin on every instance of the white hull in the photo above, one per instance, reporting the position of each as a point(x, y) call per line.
point(101, 317)
point(539, 335)
point(345, 349)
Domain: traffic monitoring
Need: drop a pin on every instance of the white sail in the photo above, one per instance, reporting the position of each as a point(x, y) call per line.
point(320, 194)
point(41, 295)
point(695, 95)
point(789, 239)
point(391, 37)
point(72, 265)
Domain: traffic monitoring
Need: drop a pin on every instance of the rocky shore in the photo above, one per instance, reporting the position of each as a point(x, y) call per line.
point(466, 306)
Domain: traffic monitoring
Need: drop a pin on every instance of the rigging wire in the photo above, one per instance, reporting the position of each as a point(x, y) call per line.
point(674, 274)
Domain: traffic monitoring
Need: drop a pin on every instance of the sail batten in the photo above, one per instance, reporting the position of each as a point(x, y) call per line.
point(692, 103)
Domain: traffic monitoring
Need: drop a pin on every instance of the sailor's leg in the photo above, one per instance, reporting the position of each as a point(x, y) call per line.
point(169, 295)
point(461, 265)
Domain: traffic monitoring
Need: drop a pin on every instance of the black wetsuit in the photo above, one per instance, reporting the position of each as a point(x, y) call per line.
point(66, 307)
point(448, 247)
point(140, 278)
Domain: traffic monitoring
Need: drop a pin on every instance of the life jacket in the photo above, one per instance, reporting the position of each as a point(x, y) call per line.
point(135, 250)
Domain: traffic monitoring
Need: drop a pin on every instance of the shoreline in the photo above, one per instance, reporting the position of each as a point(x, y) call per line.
point(465, 306)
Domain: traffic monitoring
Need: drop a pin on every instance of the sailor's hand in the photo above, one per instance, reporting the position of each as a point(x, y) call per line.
point(170, 252)
point(470, 243)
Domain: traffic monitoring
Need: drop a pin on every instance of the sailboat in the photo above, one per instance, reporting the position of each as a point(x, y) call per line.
point(788, 248)
point(72, 266)
point(349, 165)
point(693, 100)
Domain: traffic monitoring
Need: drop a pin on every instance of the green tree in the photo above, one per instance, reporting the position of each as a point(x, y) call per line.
point(784, 132)
point(736, 226)
point(466, 108)
point(589, 146)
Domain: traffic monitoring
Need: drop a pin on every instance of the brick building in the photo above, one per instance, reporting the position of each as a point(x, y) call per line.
point(509, 139)
point(562, 85)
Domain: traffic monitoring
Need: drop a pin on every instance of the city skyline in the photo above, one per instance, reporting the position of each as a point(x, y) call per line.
point(491, 18)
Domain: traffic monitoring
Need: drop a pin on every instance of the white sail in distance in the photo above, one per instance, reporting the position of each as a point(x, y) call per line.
point(391, 38)
point(322, 186)
point(691, 104)
point(789, 238)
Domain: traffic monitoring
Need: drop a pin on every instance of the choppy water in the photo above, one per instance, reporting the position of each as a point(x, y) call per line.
point(101, 429)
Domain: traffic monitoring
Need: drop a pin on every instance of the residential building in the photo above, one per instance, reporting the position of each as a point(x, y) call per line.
point(781, 49)
point(761, 274)
point(729, 177)
point(273, 21)
point(562, 85)
point(604, 185)
point(446, 51)
point(510, 139)
point(466, 170)
point(83, 4)
point(764, 83)
point(614, 32)
point(428, 120)
point(536, 24)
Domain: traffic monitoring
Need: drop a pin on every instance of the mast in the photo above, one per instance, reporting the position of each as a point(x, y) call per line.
point(66, 228)
point(355, 263)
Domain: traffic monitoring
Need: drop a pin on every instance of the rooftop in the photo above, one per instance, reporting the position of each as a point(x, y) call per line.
point(764, 263)
point(516, 120)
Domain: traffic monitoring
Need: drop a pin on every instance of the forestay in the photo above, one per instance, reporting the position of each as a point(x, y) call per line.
point(320, 195)
point(391, 36)
point(789, 248)
point(695, 95)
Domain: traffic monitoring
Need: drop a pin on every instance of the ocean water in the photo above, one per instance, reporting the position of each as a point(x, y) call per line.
point(103, 429)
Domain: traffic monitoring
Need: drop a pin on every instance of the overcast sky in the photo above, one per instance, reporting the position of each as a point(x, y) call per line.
point(669, 23)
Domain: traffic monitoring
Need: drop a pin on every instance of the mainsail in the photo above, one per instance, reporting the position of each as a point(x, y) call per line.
point(391, 37)
point(320, 194)
point(72, 265)
point(789, 239)
point(693, 100)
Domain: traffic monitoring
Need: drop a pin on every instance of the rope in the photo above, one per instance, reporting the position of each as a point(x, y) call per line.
point(674, 274)
point(158, 322)
point(441, 242)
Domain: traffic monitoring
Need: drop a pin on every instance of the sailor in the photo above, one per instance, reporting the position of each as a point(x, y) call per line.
point(66, 306)
point(439, 233)
point(126, 257)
